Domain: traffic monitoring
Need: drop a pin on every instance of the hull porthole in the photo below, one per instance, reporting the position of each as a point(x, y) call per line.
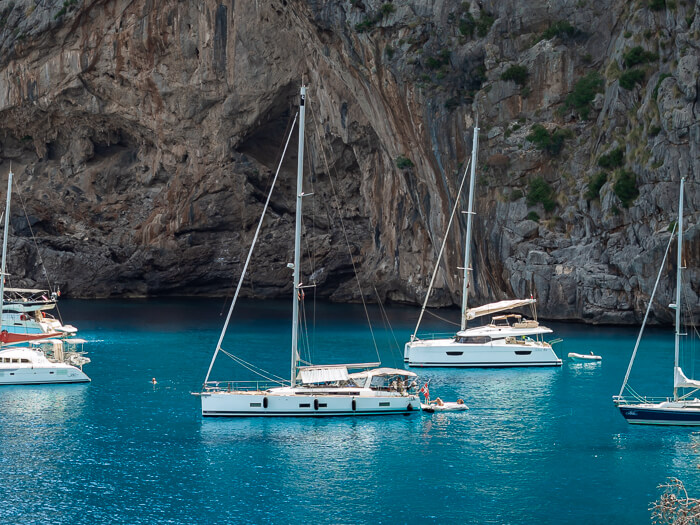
point(315, 404)
point(354, 405)
point(264, 402)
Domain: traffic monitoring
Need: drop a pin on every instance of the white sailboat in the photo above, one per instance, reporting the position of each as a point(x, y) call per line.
point(20, 366)
point(507, 341)
point(312, 390)
point(682, 408)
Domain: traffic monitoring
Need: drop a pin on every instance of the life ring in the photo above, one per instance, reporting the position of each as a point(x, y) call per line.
point(22, 317)
point(316, 404)
point(354, 405)
point(264, 402)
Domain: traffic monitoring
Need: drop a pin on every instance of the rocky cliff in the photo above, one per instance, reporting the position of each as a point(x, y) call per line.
point(144, 133)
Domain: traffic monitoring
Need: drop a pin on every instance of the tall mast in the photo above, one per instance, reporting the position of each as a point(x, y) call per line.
point(297, 241)
point(468, 242)
point(678, 286)
point(4, 245)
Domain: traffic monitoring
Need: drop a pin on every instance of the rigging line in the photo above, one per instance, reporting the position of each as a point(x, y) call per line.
point(41, 259)
point(646, 315)
point(442, 249)
point(345, 235)
point(387, 324)
point(250, 253)
point(244, 365)
point(442, 318)
point(242, 361)
point(279, 157)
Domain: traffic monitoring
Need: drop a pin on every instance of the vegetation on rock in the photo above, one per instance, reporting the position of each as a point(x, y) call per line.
point(540, 192)
point(517, 74)
point(630, 78)
point(612, 159)
point(625, 187)
point(594, 186)
point(551, 142)
point(584, 92)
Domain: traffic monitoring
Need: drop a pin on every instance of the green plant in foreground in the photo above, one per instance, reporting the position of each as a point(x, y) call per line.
point(638, 55)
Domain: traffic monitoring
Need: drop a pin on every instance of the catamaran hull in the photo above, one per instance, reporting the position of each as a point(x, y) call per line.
point(449, 354)
point(42, 376)
point(232, 404)
point(676, 416)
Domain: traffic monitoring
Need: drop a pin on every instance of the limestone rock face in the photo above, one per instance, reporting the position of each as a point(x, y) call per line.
point(144, 135)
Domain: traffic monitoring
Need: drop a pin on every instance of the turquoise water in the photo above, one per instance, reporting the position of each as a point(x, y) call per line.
point(537, 446)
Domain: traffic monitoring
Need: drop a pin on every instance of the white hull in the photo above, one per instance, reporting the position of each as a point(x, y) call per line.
point(280, 404)
point(60, 373)
point(29, 366)
point(584, 357)
point(494, 354)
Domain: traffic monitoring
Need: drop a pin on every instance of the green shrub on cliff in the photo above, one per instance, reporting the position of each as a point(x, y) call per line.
point(638, 55)
point(594, 186)
point(540, 191)
point(403, 163)
point(628, 79)
point(612, 159)
point(517, 74)
point(551, 142)
point(625, 187)
point(561, 28)
point(584, 92)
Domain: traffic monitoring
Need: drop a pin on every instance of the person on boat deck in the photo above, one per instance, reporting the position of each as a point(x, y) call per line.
point(460, 401)
point(438, 402)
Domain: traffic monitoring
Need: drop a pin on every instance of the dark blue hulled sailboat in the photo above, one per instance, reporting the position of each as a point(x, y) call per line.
point(681, 409)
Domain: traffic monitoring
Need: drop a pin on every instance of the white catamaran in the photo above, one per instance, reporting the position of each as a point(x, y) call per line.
point(507, 341)
point(681, 409)
point(312, 390)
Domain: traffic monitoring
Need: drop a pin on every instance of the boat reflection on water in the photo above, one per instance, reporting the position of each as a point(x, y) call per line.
point(42, 405)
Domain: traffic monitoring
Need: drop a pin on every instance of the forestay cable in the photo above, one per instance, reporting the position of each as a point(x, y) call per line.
point(442, 248)
point(250, 252)
point(651, 300)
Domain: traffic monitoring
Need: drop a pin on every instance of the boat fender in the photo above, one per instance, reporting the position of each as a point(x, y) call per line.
point(354, 405)
point(409, 407)
point(315, 404)
point(264, 402)
point(22, 317)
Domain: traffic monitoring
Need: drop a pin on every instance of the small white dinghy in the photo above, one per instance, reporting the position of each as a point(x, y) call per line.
point(444, 406)
point(584, 357)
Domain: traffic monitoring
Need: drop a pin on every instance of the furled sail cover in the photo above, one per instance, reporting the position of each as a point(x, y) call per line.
point(492, 308)
point(312, 375)
point(680, 381)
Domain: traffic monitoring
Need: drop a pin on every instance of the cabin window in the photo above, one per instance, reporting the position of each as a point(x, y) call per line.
point(304, 405)
point(455, 353)
point(256, 404)
point(322, 405)
point(25, 360)
point(15, 359)
point(523, 352)
point(384, 404)
point(473, 339)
